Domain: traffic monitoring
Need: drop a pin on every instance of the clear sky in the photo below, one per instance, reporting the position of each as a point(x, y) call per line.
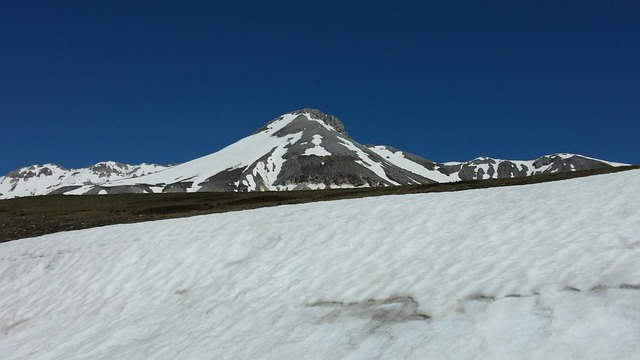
point(169, 81)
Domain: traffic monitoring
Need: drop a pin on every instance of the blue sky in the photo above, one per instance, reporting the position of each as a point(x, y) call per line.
point(169, 81)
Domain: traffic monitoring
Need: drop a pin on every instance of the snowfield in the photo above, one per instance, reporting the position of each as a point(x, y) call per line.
point(539, 271)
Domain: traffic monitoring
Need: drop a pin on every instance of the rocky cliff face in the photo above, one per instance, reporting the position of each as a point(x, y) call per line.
point(304, 149)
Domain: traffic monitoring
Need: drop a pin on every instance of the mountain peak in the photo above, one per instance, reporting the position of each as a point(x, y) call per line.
point(310, 115)
point(328, 119)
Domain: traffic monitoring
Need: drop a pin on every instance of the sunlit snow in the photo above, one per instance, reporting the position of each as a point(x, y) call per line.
point(538, 271)
point(397, 158)
point(369, 163)
point(317, 149)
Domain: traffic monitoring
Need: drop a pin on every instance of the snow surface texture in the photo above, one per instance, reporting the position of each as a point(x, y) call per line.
point(539, 271)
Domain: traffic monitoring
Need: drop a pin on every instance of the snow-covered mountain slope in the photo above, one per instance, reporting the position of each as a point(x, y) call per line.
point(540, 271)
point(52, 178)
point(304, 149)
point(483, 168)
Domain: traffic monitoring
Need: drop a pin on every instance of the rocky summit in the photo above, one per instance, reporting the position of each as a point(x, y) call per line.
point(304, 149)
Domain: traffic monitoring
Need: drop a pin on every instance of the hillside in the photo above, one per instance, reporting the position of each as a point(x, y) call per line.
point(39, 215)
point(544, 270)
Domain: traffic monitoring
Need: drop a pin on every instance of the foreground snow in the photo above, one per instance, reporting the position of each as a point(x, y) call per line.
point(539, 271)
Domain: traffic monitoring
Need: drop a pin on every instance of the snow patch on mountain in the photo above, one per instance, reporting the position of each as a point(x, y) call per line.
point(414, 164)
point(365, 160)
point(317, 150)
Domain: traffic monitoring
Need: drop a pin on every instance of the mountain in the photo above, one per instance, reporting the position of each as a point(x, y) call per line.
point(53, 178)
point(483, 168)
point(304, 149)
